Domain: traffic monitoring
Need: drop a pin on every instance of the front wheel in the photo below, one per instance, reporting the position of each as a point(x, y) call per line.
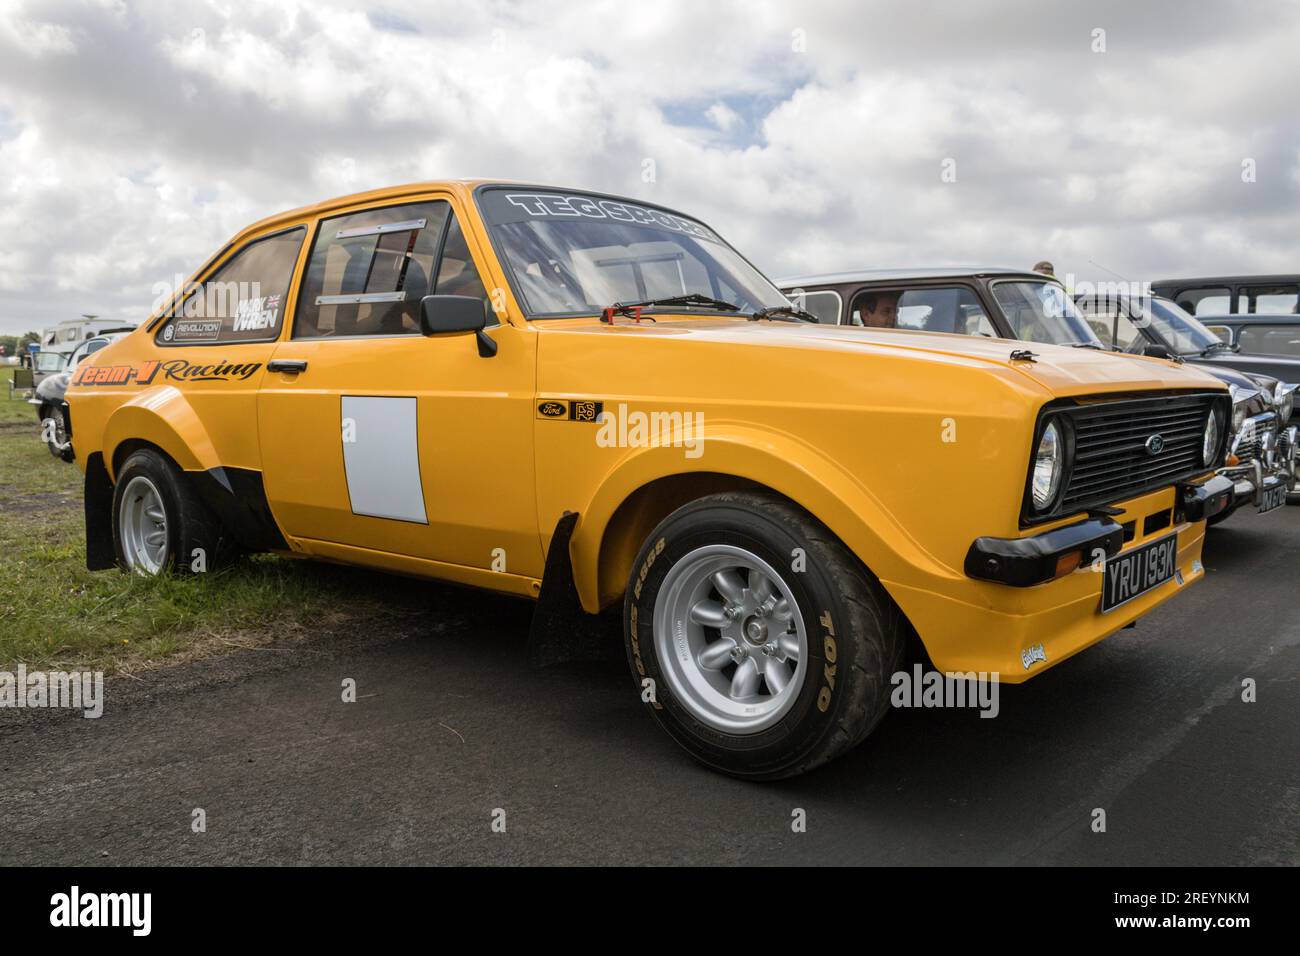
point(759, 641)
point(159, 522)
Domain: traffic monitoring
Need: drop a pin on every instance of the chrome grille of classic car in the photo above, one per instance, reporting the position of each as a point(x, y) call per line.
point(1128, 447)
point(1253, 432)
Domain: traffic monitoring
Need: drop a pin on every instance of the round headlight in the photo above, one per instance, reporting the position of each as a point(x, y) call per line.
point(1047, 467)
point(1241, 398)
point(1211, 444)
point(1283, 401)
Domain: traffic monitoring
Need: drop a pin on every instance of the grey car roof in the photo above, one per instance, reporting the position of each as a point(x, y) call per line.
point(1271, 279)
point(903, 275)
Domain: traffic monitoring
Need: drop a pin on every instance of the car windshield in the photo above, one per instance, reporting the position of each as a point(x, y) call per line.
point(574, 254)
point(1176, 328)
point(1043, 312)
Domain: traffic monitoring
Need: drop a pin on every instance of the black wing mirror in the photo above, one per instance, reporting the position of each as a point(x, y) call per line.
point(1157, 351)
point(441, 314)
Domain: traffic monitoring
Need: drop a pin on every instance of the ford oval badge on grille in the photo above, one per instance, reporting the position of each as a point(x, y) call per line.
point(1155, 444)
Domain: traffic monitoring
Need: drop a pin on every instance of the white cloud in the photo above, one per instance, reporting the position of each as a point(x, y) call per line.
point(135, 139)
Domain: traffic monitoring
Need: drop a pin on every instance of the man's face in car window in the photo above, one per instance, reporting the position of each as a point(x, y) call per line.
point(879, 310)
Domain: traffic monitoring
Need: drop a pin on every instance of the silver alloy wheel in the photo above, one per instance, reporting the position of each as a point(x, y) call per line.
point(730, 639)
point(142, 524)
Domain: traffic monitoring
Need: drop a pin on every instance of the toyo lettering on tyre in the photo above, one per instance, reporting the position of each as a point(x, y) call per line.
point(764, 665)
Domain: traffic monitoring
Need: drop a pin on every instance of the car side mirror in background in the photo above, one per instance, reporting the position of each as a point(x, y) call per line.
point(441, 314)
point(1157, 351)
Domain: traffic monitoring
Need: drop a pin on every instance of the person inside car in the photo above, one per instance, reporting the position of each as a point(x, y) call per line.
point(878, 310)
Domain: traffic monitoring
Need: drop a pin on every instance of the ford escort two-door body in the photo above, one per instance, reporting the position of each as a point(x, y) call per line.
point(597, 402)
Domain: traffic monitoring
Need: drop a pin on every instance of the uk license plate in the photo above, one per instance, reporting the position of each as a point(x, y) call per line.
point(1133, 574)
point(1271, 498)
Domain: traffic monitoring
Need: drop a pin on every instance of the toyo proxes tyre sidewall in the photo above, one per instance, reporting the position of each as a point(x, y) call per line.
point(836, 703)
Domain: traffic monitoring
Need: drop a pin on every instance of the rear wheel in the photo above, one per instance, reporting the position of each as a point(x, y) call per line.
point(769, 646)
point(160, 524)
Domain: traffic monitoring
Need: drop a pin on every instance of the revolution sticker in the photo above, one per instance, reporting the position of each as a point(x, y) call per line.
point(192, 330)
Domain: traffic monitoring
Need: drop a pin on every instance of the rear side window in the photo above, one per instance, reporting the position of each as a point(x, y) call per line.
point(243, 301)
point(1270, 340)
point(1212, 300)
point(1273, 300)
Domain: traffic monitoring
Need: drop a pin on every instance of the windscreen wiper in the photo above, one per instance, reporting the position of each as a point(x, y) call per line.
point(1089, 345)
point(633, 309)
point(783, 313)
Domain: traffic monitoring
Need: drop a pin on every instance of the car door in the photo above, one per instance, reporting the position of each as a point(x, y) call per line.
point(214, 345)
point(380, 441)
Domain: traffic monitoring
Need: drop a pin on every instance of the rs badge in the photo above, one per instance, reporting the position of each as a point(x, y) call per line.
point(1032, 654)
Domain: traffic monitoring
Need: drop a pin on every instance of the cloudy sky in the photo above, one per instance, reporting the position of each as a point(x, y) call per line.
point(1115, 137)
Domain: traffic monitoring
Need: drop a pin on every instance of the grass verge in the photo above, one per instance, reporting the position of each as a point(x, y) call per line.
point(56, 615)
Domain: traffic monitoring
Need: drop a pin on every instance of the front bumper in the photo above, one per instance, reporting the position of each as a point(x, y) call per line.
point(1016, 630)
point(1271, 460)
point(1039, 558)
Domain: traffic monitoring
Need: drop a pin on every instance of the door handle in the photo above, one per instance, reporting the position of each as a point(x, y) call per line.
point(286, 365)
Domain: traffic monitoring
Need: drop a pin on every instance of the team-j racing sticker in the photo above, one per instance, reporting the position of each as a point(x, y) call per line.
point(175, 370)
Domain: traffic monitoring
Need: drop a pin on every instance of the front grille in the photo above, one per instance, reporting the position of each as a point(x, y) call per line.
point(1252, 434)
point(1112, 459)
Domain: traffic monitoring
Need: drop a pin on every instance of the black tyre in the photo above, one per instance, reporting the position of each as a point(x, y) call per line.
point(160, 524)
point(768, 644)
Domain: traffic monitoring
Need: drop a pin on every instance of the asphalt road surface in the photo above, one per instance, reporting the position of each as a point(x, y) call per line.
point(451, 723)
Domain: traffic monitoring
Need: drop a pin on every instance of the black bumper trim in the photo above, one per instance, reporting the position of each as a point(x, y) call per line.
point(1024, 562)
point(1197, 502)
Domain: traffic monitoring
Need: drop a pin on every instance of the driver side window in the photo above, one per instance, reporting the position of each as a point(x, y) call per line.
point(369, 270)
point(951, 309)
point(457, 274)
